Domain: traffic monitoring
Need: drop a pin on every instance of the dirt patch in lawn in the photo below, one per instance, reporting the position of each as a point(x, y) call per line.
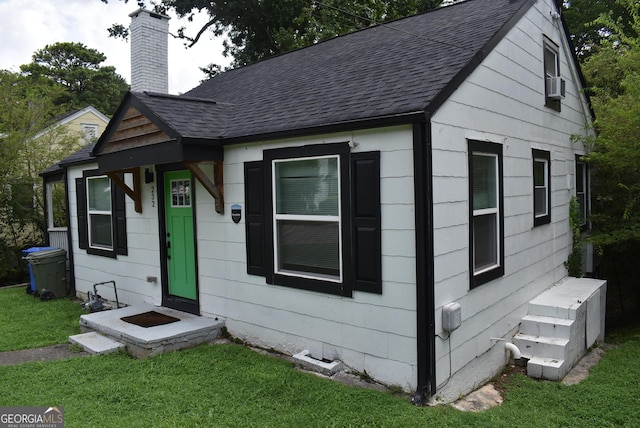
point(47, 353)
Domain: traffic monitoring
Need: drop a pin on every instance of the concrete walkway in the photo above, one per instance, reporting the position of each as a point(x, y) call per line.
point(47, 353)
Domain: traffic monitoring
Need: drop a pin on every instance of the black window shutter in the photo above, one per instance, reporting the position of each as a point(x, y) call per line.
point(366, 221)
point(254, 218)
point(120, 224)
point(81, 203)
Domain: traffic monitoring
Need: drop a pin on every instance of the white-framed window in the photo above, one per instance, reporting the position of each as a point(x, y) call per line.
point(552, 83)
point(582, 189)
point(307, 226)
point(181, 193)
point(90, 132)
point(99, 217)
point(313, 218)
point(541, 187)
point(486, 212)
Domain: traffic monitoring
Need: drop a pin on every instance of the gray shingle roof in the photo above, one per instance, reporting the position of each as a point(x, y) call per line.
point(391, 69)
point(81, 156)
point(403, 68)
point(192, 118)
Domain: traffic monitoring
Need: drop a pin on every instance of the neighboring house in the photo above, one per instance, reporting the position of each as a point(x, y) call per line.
point(343, 197)
point(88, 123)
point(62, 136)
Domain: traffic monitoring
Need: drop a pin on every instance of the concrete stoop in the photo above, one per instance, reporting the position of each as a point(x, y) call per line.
point(95, 343)
point(562, 324)
point(142, 342)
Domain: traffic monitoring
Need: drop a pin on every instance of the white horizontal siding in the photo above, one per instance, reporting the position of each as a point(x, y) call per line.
point(502, 102)
point(369, 332)
point(129, 272)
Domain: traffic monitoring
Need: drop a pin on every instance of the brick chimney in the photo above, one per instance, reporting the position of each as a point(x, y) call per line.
point(149, 33)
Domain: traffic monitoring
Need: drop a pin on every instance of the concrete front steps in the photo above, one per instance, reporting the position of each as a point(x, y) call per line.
point(562, 324)
point(105, 332)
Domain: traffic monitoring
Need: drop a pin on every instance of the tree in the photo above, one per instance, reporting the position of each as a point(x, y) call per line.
point(257, 30)
point(585, 27)
point(613, 74)
point(26, 110)
point(76, 68)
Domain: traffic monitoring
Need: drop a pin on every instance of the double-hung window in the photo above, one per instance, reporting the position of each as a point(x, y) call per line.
point(306, 219)
point(313, 218)
point(486, 212)
point(101, 213)
point(100, 221)
point(541, 187)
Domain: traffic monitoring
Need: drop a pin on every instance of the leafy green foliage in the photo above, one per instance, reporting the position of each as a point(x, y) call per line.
point(614, 75)
point(258, 30)
point(26, 110)
point(612, 72)
point(574, 261)
point(586, 30)
point(61, 78)
point(77, 70)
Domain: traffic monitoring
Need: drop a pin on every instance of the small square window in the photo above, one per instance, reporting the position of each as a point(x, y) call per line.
point(90, 132)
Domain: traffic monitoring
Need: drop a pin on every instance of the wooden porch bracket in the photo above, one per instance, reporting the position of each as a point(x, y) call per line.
point(215, 187)
point(136, 192)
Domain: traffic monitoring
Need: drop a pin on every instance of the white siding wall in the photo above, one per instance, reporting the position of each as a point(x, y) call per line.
point(129, 272)
point(376, 333)
point(501, 102)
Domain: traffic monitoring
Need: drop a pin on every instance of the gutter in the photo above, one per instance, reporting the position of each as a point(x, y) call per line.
point(425, 299)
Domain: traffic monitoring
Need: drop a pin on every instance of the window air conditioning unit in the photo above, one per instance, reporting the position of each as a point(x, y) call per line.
point(555, 88)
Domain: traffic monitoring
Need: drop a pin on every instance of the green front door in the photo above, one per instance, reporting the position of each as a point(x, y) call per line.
point(181, 290)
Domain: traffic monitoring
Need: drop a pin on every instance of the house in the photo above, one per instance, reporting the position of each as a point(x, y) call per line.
point(396, 198)
point(88, 124)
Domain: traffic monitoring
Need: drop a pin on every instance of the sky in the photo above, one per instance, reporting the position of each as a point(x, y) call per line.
point(31, 25)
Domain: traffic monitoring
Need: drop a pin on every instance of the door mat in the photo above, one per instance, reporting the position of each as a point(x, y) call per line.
point(150, 319)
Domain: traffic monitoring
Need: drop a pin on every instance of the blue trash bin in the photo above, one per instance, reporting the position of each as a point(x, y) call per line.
point(32, 278)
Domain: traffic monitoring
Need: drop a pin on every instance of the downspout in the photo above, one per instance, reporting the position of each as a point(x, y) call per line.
point(425, 303)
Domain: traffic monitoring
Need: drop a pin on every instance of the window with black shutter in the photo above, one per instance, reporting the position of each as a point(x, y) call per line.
point(101, 214)
point(313, 219)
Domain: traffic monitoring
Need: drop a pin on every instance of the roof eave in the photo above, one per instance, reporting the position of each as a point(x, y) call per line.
point(416, 116)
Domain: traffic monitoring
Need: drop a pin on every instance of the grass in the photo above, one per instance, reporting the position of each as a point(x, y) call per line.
point(232, 386)
point(27, 322)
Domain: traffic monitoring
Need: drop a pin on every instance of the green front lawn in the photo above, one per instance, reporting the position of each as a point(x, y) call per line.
point(232, 386)
point(27, 322)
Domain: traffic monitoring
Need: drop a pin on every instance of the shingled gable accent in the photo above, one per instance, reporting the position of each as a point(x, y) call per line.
point(154, 129)
point(135, 130)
